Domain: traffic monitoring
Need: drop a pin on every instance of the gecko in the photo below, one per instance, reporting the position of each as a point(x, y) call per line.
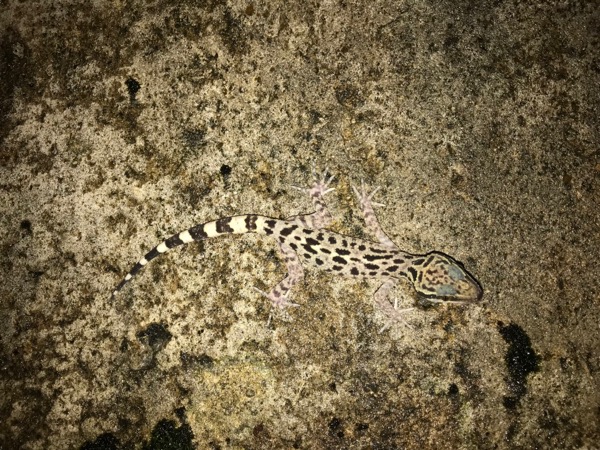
point(304, 241)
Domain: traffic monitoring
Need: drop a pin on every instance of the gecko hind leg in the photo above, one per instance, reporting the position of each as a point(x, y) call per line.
point(366, 206)
point(391, 312)
point(321, 218)
point(279, 294)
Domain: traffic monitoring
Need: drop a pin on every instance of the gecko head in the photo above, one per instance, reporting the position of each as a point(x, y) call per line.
point(439, 277)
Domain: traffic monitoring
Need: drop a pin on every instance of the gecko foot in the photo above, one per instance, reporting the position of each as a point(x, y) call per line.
point(364, 197)
point(391, 312)
point(395, 316)
point(320, 186)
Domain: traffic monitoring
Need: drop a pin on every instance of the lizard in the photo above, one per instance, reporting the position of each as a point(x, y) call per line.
point(304, 241)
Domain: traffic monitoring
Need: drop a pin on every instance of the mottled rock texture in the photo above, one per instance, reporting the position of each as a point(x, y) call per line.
point(123, 122)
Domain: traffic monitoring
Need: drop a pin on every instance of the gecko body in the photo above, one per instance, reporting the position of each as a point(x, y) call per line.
point(304, 242)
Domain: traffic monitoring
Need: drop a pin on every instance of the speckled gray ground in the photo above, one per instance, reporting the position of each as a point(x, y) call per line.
point(122, 122)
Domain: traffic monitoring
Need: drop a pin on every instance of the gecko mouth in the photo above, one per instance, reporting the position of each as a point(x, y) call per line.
point(473, 296)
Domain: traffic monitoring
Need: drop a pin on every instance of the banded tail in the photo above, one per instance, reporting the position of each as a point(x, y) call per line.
point(249, 223)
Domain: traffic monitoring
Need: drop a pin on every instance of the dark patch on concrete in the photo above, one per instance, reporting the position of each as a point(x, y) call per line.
point(232, 33)
point(349, 96)
point(520, 360)
point(26, 227)
point(34, 405)
point(453, 390)
point(106, 441)
point(225, 171)
point(336, 428)
point(133, 86)
point(194, 138)
point(189, 360)
point(167, 435)
point(155, 335)
point(193, 192)
point(17, 75)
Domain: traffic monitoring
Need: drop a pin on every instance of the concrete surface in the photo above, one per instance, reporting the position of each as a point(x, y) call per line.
point(122, 122)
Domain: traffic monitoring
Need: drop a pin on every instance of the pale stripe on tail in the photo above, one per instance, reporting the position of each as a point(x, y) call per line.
point(249, 223)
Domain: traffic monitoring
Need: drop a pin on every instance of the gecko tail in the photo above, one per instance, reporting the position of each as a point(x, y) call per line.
point(248, 223)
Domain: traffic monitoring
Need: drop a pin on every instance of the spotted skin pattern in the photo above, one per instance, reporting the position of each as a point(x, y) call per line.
point(304, 242)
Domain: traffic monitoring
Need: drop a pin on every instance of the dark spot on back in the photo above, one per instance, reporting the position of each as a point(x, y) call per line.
point(311, 241)
point(372, 266)
point(341, 251)
point(418, 261)
point(309, 249)
point(288, 230)
point(376, 257)
point(378, 250)
point(431, 258)
point(354, 271)
point(340, 260)
point(362, 248)
point(319, 261)
point(332, 240)
point(398, 261)
point(413, 272)
point(270, 223)
point(320, 236)
point(338, 268)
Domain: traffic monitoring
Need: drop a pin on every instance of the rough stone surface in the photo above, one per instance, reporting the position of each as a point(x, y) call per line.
point(122, 122)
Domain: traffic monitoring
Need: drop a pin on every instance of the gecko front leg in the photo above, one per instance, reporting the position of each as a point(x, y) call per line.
point(321, 218)
point(366, 206)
